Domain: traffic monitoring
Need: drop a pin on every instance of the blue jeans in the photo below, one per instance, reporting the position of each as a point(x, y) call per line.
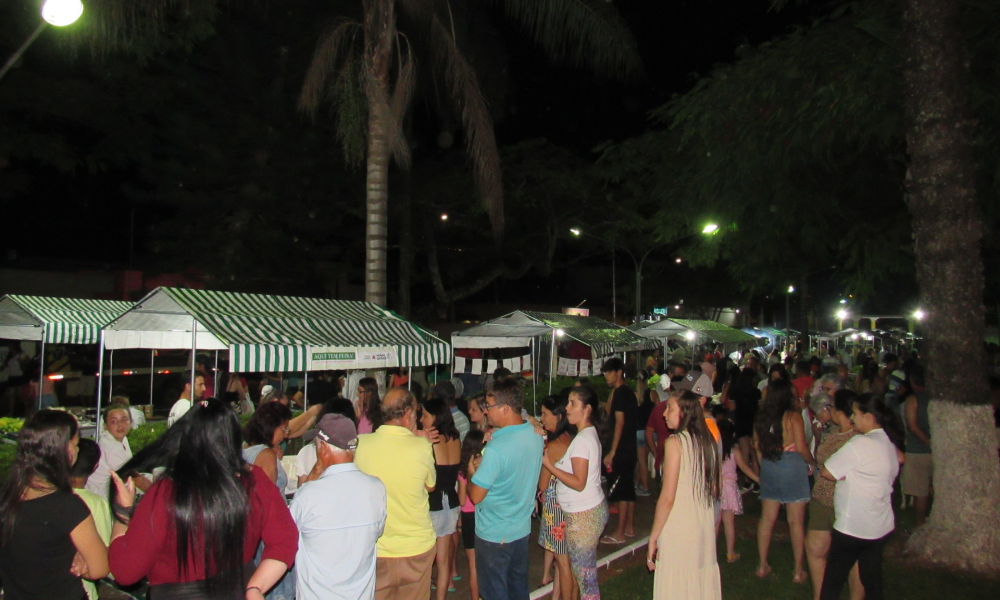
point(502, 569)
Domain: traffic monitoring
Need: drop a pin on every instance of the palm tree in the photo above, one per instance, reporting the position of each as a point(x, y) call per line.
point(368, 69)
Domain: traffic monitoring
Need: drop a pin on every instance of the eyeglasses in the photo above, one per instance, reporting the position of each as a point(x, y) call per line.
point(489, 406)
point(125, 421)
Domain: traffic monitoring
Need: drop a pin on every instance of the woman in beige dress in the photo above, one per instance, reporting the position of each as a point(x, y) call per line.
point(682, 543)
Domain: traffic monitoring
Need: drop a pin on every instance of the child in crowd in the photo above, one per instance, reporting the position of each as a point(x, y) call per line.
point(472, 449)
point(732, 502)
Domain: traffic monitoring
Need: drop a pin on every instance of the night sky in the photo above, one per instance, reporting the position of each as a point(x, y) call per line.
point(87, 216)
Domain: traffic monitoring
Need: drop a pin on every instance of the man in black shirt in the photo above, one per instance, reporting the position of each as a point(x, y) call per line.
point(620, 459)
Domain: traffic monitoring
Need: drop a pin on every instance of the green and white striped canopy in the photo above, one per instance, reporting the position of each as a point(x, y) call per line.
point(56, 320)
point(515, 330)
point(276, 333)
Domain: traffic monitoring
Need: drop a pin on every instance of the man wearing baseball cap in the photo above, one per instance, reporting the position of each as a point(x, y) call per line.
point(340, 517)
point(701, 385)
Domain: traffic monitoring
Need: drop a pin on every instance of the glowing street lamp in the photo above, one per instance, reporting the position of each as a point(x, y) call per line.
point(841, 315)
point(56, 12)
point(62, 12)
point(690, 335)
point(444, 217)
point(918, 315)
point(710, 228)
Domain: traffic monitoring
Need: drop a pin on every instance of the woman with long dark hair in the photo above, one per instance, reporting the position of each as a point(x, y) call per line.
point(195, 532)
point(368, 406)
point(263, 434)
point(864, 469)
point(43, 524)
point(579, 489)
point(785, 465)
point(552, 524)
point(681, 546)
point(444, 499)
point(746, 397)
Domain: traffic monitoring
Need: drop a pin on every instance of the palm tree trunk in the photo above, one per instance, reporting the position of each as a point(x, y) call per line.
point(377, 208)
point(962, 531)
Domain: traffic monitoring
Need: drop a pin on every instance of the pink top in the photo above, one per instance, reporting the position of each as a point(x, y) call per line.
point(364, 425)
point(468, 507)
point(729, 466)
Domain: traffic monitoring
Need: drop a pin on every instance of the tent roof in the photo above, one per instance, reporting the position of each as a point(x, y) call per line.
point(265, 333)
point(717, 332)
point(517, 328)
point(61, 320)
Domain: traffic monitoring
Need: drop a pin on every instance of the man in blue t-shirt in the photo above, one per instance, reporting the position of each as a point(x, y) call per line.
point(502, 486)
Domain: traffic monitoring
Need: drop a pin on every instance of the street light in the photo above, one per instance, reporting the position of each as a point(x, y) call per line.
point(708, 229)
point(56, 12)
point(62, 12)
point(918, 315)
point(788, 314)
point(841, 315)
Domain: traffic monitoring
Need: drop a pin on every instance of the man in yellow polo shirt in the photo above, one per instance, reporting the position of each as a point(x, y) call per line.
point(404, 461)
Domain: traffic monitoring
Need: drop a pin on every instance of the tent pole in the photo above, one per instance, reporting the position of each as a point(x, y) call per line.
point(552, 360)
point(152, 369)
point(305, 390)
point(41, 369)
point(100, 381)
point(111, 374)
point(215, 376)
point(194, 355)
point(534, 374)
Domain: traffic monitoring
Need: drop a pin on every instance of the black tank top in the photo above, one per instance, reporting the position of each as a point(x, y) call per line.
point(447, 481)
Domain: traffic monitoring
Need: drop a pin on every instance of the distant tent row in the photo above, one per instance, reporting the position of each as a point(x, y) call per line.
point(703, 331)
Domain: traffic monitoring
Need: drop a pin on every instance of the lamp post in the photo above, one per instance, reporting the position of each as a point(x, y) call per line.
point(638, 263)
point(788, 316)
point(55, 12)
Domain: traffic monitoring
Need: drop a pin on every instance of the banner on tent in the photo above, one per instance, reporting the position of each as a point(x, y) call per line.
point(332, 358)
point(477, 366)
point(585, 368)
point(563, 367)
point(459, 364)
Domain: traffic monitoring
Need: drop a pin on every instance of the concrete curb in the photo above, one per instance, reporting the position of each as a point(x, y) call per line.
point(629, 550)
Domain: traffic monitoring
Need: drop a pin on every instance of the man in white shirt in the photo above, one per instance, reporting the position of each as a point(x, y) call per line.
point(183, 404)
point(340, 517)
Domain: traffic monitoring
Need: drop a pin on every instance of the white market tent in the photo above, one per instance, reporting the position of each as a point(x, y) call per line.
point(275, 333)
point(535, 330)
point(729, 337)
point(56, 321)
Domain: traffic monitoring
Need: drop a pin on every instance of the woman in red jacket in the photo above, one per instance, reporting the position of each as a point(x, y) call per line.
point(195, 532)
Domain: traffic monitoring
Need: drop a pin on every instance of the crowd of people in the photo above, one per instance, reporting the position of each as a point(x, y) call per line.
point(389, 488)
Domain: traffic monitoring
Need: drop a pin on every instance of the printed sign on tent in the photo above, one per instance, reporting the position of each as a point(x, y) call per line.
point(477, 366)
point(491, 365)
point(526, 362)
point(333, 358)
point(460, 364)
point(573, 368)
point(584, 367)
point(563, 366)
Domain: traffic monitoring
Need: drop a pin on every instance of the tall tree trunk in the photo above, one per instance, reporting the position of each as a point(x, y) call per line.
point(962, 530)
point(376, 204)
point(379, 34)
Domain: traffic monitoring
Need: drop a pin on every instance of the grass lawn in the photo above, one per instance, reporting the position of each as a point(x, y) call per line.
point(903, 580)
